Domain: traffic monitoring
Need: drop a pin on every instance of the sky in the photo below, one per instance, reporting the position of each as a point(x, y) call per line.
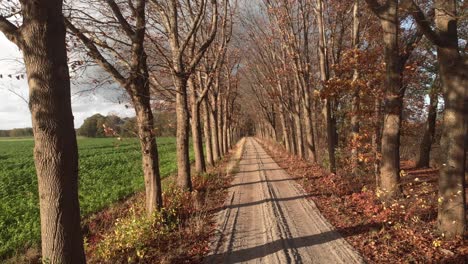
point(14, 112)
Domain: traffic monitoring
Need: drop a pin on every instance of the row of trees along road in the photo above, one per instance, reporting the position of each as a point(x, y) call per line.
point(173, 51)
point(335, 79)
point(101, 126)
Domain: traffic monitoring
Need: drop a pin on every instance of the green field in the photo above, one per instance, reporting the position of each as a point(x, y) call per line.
point(109, 170)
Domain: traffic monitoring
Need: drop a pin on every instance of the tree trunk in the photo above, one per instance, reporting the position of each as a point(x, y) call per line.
point(299, 138)
point(393, 103)
point(214, 135)
point(220, 127)
point(324, 76)
point(429, 132)
point(285, 132)
point(229, 137)
point(207, 132)
point(225, 126)
point(316, 124)
point(454, 74)
point(292, 138)
point(355, 131)
point(330, 135)
point(184, 180)
point(390, 160)
point(197, 141)
point(149, 149)
point(310, 141)
point(55, 146)
point(356, 98)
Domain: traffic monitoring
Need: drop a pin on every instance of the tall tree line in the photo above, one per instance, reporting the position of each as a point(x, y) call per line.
point(173, 51)
point(335, 94)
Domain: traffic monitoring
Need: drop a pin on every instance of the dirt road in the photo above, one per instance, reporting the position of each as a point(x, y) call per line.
point(268, 219)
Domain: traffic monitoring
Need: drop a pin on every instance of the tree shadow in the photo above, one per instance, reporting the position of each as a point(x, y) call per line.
point(266, 170)
point(255, 182)
point(262, 251)
point(255, 163)
point(223, 207)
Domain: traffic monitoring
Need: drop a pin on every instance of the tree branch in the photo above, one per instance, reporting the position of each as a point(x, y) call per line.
point(201, 51)
point(423, 23)
point(123, 22)
point(94, 52)
point(10, 31)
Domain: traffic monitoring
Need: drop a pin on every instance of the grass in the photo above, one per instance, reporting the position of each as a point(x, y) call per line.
point(109, 171)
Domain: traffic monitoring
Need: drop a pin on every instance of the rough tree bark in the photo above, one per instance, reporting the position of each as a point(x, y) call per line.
point(184, 179)
point(298, 125)
point(393, 103)
point(149, 148)
point(42, 41)
point(214, 131)
point(389, 178)
point(207, 132)
point(220, 122)
point(453, 72)
point(284, 128)
point(200, 166)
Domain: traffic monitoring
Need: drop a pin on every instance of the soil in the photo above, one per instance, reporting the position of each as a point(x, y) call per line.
point(268, 218)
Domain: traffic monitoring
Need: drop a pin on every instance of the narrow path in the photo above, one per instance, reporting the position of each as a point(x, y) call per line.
point(268, 219)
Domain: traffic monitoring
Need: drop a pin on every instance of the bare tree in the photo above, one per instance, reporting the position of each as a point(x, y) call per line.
point(181, 21)
point(202, 81)
point(41, 39)
point(130, 71)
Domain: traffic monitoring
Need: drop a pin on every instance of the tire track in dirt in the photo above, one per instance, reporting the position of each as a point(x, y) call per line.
point(268, 219)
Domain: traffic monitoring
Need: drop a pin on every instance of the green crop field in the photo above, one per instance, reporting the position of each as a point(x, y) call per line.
point(109, 171)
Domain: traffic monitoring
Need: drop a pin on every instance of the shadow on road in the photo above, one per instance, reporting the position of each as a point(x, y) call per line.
point(261, 251)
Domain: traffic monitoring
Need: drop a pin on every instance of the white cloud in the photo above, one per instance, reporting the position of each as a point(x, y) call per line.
point(14, 112)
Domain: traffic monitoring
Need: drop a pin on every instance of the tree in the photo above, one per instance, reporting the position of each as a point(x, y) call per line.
point(41, 39)
point(430, 127)
point(294, 22)
point(356, 97)
point(182, 63)
point(130, 71)
point(324, 77)
point(453, 72)
point(202, 82)
point(90, 126)
point(395, 59)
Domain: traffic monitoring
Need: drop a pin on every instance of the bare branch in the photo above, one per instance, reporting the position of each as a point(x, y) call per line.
point(201, 51)
point(10, 31)
point(423, 23)
point(94, 52)
point(123, 22)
